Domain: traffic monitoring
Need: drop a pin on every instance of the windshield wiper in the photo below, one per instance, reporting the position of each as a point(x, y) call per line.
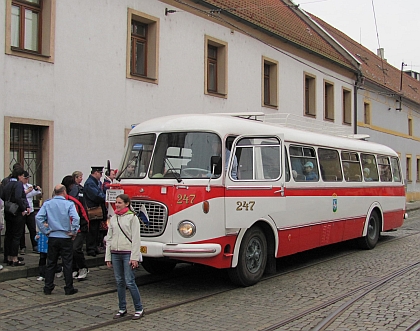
point(172, 169)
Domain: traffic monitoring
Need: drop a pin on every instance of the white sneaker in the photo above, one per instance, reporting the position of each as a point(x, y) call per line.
point(75, 274)
point(83, 273)
point(59, 274)
point(1, 267)
point(40, 278)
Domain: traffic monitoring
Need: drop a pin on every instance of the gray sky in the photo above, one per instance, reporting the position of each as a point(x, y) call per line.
point(397, 24)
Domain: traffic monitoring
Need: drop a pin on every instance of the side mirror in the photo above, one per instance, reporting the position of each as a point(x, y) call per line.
point(216, 162)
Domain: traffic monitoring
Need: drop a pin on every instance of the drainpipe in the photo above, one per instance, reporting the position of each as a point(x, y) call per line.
point(358, 83)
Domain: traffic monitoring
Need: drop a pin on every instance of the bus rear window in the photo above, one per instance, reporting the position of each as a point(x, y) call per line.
point(396, 171)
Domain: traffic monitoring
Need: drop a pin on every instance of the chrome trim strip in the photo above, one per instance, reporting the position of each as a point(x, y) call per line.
point(270, 187)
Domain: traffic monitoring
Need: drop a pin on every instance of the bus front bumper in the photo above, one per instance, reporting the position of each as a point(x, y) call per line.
point(153, 249)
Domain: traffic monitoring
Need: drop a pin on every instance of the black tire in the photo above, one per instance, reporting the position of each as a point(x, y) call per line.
point(252, 259)
point(158, 266)
point(372, 236)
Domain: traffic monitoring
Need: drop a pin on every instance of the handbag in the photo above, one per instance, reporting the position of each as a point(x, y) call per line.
point(95, 213)
point(9, 206)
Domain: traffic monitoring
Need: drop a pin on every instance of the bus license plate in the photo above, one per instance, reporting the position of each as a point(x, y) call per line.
point(143, 249)
point(111, 194)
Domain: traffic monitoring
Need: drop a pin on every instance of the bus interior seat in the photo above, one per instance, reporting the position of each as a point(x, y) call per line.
point(300, 178)
point(329, 178)
point(355, 178)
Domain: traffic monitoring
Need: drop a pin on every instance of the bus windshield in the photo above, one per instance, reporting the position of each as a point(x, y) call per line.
point(186, 155)
point(138, 155)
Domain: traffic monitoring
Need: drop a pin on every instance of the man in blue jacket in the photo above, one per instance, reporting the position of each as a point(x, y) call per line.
point(94, 198)
point(59, 220)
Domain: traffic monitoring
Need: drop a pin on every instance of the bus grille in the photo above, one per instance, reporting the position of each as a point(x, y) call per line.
point(158, 216)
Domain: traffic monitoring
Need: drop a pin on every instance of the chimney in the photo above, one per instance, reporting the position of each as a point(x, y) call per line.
point(381, 53)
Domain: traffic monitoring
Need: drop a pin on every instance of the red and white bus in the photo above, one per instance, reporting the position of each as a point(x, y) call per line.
point(236, 193)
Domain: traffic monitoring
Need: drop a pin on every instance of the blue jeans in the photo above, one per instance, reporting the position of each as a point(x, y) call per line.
point(125, 277)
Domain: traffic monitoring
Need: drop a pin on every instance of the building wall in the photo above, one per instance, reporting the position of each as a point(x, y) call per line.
point(86, 95)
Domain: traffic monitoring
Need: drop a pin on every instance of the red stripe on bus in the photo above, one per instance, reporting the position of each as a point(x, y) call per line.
point(298, 239)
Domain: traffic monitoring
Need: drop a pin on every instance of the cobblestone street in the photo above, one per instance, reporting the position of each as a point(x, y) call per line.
point(303, 281)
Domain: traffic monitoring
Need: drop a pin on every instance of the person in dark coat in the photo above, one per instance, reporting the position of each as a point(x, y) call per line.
point(13, 191)
point(94, 197)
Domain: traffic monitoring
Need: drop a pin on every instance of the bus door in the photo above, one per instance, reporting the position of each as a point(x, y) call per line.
point(254, 180)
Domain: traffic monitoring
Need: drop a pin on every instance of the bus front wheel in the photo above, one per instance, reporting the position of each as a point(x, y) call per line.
point(373, 230)
point(252, 259)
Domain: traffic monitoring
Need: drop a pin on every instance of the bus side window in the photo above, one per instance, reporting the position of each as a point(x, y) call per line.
point(296, 162)
point(329, 164)
point(351, 167)
point(286, 164)
point(245, 164)
point(234, 166)
point(384, 169)
point(304, 163)
point(370, 169)
point(270, 156)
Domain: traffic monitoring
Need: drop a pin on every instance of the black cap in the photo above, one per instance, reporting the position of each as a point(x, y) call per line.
point(99, 169)
point(26, 174)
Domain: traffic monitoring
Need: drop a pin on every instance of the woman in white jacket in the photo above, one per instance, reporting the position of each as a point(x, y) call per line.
point(123, 253)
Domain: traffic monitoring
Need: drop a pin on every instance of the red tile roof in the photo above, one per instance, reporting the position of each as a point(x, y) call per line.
point(373, 67)
point(281, 19)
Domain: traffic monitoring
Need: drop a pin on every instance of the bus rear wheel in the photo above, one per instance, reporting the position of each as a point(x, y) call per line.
point(158, 266)
point(373, 230)
point(252, 259)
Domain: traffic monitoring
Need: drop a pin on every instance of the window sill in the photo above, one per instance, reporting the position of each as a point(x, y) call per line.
point(271, 106)
point(26, 51)
point(217, 94)
point(143, 78)
point(29, 54)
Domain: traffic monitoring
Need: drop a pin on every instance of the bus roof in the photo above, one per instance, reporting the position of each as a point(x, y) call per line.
point(227, 124)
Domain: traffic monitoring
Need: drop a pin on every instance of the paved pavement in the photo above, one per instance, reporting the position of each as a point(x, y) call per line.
point(31, 259)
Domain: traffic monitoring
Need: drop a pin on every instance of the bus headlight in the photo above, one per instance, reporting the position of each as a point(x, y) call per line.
point(186, 229)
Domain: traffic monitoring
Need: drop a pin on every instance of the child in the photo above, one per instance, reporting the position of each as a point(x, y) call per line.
point(42, 240)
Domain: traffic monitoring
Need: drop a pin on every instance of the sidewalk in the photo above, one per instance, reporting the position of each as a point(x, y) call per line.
point(30, 269)
point(31, 259)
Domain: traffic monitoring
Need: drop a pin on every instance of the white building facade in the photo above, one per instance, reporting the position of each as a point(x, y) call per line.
point(70, 91)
